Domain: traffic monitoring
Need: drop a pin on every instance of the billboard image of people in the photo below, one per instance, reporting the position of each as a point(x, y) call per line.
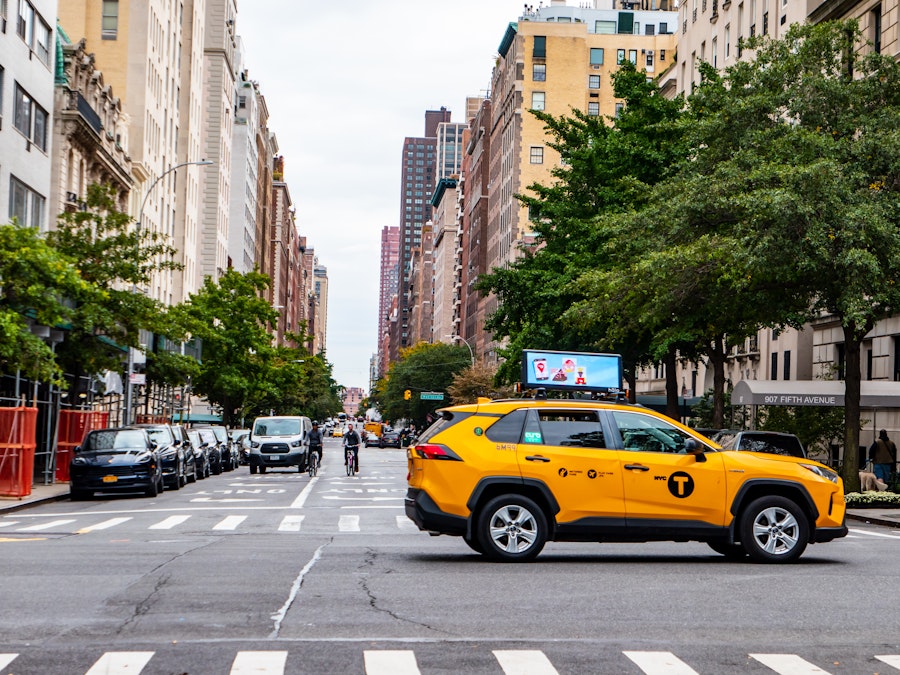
point(577, 371)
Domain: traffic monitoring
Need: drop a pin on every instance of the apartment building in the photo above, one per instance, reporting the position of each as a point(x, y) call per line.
point(27, 61)
point(388, 287)
point(319, 326)
point(244, 171)
point(445, 259)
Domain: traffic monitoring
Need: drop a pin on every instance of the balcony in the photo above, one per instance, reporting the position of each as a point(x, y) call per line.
point(88, 114)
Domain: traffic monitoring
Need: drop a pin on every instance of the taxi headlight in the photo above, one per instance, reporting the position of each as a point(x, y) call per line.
point(824, 472)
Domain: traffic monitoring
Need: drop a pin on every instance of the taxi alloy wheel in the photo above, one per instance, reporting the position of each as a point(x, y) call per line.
point(512, 528)
point(774, 529)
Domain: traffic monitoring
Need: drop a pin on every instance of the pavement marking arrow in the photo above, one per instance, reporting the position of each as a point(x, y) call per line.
point(210, 499)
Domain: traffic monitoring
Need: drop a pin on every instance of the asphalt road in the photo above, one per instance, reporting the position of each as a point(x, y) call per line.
point(280, 573)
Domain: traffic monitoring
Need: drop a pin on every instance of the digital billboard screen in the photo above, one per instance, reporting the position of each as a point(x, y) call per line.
point(574, 371)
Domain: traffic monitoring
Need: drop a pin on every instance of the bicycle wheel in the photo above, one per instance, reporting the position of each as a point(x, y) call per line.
point(349, 463)
point(313, 464)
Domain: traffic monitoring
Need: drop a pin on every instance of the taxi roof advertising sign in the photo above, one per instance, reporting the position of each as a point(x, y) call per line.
point(571, 371)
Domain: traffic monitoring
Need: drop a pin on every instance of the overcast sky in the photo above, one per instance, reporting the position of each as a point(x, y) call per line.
point(345, 82)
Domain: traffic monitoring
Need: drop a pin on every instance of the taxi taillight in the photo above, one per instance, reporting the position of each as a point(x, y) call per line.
point(435, 451)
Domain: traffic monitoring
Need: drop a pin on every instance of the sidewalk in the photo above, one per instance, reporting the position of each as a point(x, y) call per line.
point(50, 493)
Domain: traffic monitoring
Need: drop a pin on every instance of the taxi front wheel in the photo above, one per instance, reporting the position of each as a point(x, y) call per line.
point(774, 530)
point(512, 528)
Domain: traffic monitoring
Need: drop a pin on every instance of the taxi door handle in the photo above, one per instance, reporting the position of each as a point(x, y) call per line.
point(637, 467)
point(537, 458)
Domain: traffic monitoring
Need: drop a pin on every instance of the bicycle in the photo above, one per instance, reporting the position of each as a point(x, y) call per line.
point(350, 461)
point(313, 463)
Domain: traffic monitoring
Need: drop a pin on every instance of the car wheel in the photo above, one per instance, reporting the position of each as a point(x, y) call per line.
point(193, 477)
point(730, 551)
point(153, 490)
point(253, 468)
point(774, 530)
point(512, 528)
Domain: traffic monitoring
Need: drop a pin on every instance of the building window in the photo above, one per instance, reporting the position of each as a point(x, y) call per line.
point(593, 108)
point(773, 375)
point(620, 56)
point(110, 26)
point(25, 21)
point(650, 29)
point(727, 41)
point(787, 365)
point(619, 108)
point(26, 205)
point(662, 54)
point(605, 27)
point(540, 47)
point(596, 56)
point(663, 28)
point(537, 155)
point(242, 102)
point(875, 36)
point(41, 44)
point(632, 56)
point(649, 61)
point(539, 72)
point(593, 81)
point(537, 100)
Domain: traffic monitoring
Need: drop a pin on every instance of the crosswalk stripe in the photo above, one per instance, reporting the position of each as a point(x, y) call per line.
point(6, 659)
point(46, 526)
point(873, 534)
point(404, 523)
point(788, 664)
point(657, 663)
point(230, 523)
point(890, 659)
point(8, 523)
point(169, 523)
point(348, 524)
point(259, 663)
point(391, 662)
point(290, 524)
point(105, 525)
point(120, 663)
point(524, 662)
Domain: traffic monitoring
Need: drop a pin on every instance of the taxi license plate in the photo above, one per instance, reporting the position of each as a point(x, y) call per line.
point(110, 479)
point(273, 458)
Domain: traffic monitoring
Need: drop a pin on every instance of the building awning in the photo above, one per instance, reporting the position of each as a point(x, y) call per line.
point(873, 393)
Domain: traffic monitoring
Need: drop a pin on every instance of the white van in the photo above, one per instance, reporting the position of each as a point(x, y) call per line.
point(278, 442)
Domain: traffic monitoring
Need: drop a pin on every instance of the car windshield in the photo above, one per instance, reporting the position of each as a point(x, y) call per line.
point(161, 435)
point(276, 427)
point(128, 440)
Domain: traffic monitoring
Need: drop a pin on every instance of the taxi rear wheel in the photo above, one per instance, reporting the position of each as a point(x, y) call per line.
point(774, 530)
point(512, 528)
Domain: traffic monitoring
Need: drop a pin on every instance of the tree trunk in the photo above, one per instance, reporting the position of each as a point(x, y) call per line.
point(717, 360)
point(671, 363)
point(852, 385)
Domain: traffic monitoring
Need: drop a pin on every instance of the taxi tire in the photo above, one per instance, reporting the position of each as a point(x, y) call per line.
point(511, 510)
point(763, 526)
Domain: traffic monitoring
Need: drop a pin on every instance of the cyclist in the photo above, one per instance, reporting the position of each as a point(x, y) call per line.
point(315, 441)
point(351, 442)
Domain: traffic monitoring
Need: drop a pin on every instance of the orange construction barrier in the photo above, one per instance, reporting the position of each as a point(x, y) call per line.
point(152, 419)
point(73, 426)
point(18, 442)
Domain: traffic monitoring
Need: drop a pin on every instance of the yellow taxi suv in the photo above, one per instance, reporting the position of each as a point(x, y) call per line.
point(508, 476)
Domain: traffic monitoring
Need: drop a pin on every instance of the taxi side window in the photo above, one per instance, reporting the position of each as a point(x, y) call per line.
point(508, 429)
point(569, 428)
point(645, 433)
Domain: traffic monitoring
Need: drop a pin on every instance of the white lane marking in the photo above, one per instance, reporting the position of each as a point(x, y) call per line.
point(301, 498)
point(874, 534)
point(524, 662)
point(120, 663)
point(105, 525)
point(278, 616)
point(8, 523)
point(229, 523)
point(391, 662)
point(6, 659)
point(657, 663)
point(169, 523)
point(788, 664)
point(890, 659)
point(259, 663)
point(291, 523)
point(404, 523)
point(45, 526)
point(348, 524)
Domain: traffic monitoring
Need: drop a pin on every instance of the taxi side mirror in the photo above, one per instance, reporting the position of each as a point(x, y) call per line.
point(693, 447)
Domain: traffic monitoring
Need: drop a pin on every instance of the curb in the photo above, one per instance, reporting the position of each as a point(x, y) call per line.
point(874, 520)
point(28, 503)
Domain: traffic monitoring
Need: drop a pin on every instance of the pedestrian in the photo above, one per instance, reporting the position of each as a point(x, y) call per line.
point(883, 454)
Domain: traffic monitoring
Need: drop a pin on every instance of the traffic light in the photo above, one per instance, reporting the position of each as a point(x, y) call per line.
point(407, 394)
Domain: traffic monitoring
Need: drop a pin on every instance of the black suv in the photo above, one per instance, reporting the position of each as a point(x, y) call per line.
point(121, 459)
point(177, 458)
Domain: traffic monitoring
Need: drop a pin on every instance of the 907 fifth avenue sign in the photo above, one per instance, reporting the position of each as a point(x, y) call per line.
point(794, 399)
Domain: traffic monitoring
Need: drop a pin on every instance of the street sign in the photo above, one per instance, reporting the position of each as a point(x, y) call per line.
point(139, 378)
point(431, 396)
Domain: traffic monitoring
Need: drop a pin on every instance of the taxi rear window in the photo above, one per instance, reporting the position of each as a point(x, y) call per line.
point(444, 422)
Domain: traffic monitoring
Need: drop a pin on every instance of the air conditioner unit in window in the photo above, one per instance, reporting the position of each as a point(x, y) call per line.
point(71, 198)
point(595, 67)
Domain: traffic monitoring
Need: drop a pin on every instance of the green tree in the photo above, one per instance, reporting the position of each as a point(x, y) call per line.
point(34, 280)
point(477, 380)
point(296, 383)
point(422, 367)
point(114, 259)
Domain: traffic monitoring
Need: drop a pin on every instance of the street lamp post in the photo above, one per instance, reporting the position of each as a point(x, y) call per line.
point(130, 367)
point(466, 343)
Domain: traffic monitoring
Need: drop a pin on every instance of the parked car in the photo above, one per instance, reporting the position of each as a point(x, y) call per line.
point(177, 461)
point(123, 459)
point(279, 442)
point(240, 440)
point(201, 453)
point(213, 449)
point(227, 449)
point(191, 455)
point(389, 439)
point(772, 442)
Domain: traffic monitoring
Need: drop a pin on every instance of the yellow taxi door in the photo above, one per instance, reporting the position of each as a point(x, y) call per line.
point(567, 451)
point(661, 481)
